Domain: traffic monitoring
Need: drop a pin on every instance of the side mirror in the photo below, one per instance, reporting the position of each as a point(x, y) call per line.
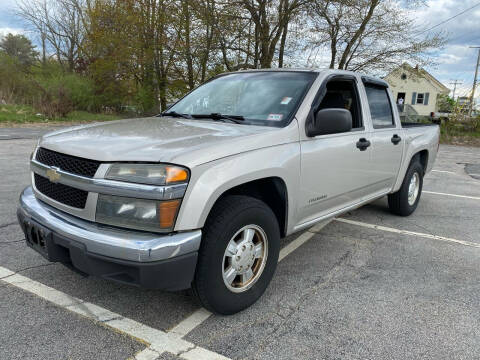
point(330, 121)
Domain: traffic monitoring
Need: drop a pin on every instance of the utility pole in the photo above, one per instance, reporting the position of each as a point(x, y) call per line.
point(472, 98)
point(455, 83)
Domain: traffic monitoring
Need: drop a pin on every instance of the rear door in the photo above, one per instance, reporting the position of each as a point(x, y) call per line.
point(387, 136)
point(335, 168)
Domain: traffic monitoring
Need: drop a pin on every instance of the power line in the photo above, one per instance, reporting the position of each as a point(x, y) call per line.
point(450, 18)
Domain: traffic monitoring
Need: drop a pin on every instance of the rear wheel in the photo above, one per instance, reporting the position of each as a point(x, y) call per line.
point(405, 200)
point(238, 255)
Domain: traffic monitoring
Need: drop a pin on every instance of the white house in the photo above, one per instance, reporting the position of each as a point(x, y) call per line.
point(416, 87)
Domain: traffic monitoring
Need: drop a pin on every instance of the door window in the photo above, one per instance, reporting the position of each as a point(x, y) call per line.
point(342, 94)
point(380, 107)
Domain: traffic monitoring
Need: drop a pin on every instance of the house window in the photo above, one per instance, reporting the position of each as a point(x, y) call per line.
point(420, 98)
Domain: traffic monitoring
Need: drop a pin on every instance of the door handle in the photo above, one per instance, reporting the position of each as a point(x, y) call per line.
point(396, 139)
point(363, 144)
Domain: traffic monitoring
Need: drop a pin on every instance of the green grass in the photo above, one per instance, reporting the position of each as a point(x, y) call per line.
point(24, 114)
point(460, 133)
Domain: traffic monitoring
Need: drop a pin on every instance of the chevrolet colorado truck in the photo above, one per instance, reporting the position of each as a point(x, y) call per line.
point(199, 196)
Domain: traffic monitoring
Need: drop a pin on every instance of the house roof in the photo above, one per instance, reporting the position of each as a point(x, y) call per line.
point(424, 73)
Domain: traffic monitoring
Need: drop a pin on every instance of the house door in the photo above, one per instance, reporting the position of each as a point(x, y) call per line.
point(400, 101)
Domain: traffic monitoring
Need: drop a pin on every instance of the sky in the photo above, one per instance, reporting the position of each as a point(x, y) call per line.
point(456, 61)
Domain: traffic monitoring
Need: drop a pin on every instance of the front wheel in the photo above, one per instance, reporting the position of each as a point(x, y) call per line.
point(405, 200)
point(238, 255)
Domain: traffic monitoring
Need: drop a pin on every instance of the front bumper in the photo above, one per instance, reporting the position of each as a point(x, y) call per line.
point(134, 257)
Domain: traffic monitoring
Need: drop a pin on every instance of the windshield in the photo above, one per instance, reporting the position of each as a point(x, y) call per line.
point(259, 98)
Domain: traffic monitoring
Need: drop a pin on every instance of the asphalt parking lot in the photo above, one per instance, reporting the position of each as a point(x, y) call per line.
point(368, 285)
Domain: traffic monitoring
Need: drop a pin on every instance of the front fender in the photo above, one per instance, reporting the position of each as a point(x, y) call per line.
point(210, 180)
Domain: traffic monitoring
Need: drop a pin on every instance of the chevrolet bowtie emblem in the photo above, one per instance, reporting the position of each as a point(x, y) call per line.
point(53, 174)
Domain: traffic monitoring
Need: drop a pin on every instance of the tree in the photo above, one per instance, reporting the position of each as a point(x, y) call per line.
point(19, 47)
point(365, 35)
point(59, 24)
point(445, 103)
point(271, 20)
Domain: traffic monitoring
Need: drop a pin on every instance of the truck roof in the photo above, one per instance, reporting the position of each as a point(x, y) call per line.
point(365, 78)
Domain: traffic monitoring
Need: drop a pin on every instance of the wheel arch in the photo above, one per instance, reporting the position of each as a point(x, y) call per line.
point(421, 155)
point(271, 190)
point(265, 174)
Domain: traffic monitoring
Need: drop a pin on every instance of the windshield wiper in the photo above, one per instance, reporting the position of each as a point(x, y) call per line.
point(237, 119)
point(175, 114)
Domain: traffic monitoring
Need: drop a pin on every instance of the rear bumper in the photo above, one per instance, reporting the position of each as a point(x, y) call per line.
point(134, 257)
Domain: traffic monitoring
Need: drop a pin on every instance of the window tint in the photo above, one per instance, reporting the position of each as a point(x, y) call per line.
point(380, 107)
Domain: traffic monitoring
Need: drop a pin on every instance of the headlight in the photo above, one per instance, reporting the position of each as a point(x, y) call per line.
point(152, 174)
point(148, 215)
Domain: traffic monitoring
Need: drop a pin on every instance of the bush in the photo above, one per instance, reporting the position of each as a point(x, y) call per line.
point(58, 92)
point(81, 91)
point(54, 102)
point(15, 84)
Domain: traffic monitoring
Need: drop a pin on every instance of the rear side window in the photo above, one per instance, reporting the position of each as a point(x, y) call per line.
point(380, 107)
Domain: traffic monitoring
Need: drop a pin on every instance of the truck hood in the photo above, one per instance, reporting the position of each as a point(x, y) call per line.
point(155, 139)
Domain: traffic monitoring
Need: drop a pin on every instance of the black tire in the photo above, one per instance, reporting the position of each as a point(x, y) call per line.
point(228, 216)
point(398, 201)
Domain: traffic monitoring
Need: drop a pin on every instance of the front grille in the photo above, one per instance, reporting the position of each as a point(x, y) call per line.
point(62, 193)
point(68, 163)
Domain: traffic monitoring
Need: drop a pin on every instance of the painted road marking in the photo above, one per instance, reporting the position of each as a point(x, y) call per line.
point(191, 322)
point(302, 239)
point(199, 316)
point(454, 195)
point(158, 340)
point(147, 354)
point(406, 232)
point(445, 171)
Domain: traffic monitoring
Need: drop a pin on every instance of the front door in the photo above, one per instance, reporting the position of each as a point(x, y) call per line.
point(335, 169)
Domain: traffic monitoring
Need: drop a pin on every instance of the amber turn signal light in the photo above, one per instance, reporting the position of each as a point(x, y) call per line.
point(176, 174)
point(167, 211)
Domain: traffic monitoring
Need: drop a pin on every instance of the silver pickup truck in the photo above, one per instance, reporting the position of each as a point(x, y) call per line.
point(199, 196)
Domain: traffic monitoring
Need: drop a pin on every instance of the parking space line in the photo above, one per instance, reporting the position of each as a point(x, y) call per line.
point(158, 340)
point(454, 195)
point(446, 172)
point(302, 239)
point(199, 316)
point(191, 322)
point(147, 354)
point(407, 232)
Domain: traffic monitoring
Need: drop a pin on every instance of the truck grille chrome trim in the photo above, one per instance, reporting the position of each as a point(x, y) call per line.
point(111, 187)
point(62, 193)
point(109, 241)
point(68, 163)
